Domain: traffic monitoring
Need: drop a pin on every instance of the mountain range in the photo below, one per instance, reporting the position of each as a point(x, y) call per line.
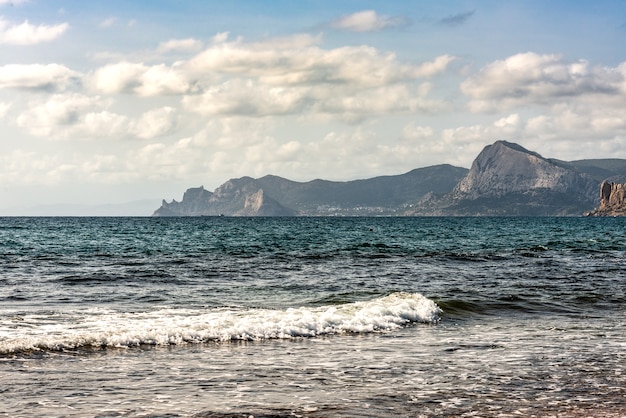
point(505, 179)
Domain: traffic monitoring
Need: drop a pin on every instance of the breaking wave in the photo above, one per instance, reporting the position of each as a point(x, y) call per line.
point(98, 328)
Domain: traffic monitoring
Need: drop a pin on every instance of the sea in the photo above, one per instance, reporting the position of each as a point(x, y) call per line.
point(313, 317)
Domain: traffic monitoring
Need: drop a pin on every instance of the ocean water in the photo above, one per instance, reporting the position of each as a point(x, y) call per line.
point(312, 317)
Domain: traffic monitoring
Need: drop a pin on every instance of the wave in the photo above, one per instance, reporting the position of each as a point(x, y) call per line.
point(574, 302)
point(107, 329)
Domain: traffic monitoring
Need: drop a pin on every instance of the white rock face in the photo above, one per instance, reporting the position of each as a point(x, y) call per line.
point(505, 168)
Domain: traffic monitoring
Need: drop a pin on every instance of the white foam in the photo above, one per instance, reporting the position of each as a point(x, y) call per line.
point(99, 328)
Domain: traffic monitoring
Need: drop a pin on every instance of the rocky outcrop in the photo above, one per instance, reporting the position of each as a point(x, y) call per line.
point(195, 201)
point(237, 197)
point(505, 168)
point(508, 180)
point(259, 204)
point(612, 200)
point(505, 180)
point(276, 196)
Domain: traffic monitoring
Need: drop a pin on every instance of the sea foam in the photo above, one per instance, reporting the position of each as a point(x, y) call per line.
point(108, 329)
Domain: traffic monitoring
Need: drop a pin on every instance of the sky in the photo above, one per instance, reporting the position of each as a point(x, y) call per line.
point(120, 101)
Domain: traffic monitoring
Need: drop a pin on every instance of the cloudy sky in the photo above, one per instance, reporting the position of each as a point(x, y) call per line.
point(116, 101)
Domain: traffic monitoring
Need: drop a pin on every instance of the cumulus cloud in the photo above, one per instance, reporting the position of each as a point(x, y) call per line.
point(469, 140)
point(21, 167)
point(578, 121)
point(295, 75)
point(360, 65)
point(531, 78)
point(349, 103)
point(156, 161)
point(563, 130)
point(27, 34)
point(417, 132)
point(155, 123)
point(249, 146)
point(108, 22)
point(180, 45)
point(566, 102)
point(367, 21)
point(299, 61)
point(38, 77)
point(141, 79)
point(396, 99)
point(71, 115)
point(33, 168)
point(280, 77)
point(246, 98)
point(4, 109)
point(77, 116)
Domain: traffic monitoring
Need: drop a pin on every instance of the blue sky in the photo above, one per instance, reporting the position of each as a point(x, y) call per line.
point(109, 102)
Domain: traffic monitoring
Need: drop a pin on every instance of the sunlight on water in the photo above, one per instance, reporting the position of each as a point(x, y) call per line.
point(312, 317)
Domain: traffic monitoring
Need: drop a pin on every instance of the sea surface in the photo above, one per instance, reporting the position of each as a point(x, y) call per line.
point(312, 317)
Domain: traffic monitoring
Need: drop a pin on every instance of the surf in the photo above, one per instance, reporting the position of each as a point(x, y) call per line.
point(104, 329)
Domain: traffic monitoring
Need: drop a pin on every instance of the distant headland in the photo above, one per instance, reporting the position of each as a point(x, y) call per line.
point(505, 179)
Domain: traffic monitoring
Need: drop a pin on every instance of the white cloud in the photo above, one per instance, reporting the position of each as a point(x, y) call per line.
point(247, 98)
point(220, 37)
point(530, 78)
point(351, 104)
point(511, 121)
point(180, 45)
point(75, 116)
point(27, 34)
point(417, 132)
point(108, 22)
point(367, 21)
point(38, 76)
point(565, 131)
point(160, 161)
point(155, 123)
point(572, 108)
point(294, 75)
point(4, 109)
point(80, 117)
point(508, 127)
point(13, 2)
point(141, 79)
point(576, 121)
point(300, 61)
point(21, 167)
point(394, 99)
point(282, 76)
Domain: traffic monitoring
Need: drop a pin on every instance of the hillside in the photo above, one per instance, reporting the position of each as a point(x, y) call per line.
point(384, 195)
point(505, 179)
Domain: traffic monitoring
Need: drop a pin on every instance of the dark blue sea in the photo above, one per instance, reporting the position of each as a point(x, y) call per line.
point(312, 317)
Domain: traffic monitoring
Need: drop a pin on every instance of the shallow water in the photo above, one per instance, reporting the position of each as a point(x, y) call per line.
point(312, 317)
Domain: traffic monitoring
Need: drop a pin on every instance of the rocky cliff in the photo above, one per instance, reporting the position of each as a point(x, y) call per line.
point(237, 197)
point(506, 179)
point(195, 201)
point(505, 168)
point(612, 200)
point(277, 196)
